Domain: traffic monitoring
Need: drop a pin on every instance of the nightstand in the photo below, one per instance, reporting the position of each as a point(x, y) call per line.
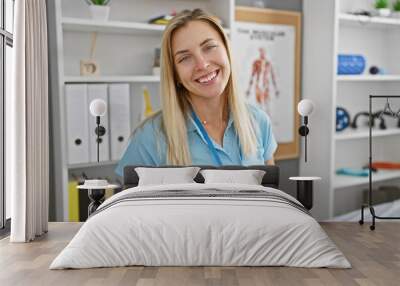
point(305, 190)
point(96, 191)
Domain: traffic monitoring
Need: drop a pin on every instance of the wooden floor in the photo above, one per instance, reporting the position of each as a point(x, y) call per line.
point(374, 255)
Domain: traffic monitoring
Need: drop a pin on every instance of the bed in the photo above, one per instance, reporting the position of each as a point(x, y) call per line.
point(201, 224)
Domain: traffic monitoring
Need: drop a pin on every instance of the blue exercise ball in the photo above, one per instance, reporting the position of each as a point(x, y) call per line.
point(342, 119)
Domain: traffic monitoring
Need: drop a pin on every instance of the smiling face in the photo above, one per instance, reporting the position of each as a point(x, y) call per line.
point(200, 59)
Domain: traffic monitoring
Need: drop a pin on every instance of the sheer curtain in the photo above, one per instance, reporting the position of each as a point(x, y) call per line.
point(27, 135)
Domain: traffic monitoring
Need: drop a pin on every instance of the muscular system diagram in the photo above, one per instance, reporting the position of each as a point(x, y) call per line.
point(262, 75)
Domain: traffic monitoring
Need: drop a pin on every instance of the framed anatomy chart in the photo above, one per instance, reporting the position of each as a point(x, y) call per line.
point(266, 56)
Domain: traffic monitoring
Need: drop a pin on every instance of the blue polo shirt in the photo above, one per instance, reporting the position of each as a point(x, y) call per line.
point(148, 146)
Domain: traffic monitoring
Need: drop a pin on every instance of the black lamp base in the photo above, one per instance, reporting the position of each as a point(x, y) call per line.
point(96, 198)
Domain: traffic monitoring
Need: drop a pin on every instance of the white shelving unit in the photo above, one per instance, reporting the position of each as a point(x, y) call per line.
point(124, 51)
point(378, 40)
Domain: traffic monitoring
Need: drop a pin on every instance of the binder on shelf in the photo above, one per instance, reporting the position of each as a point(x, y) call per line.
point(119, 108)
point(84, 202)
point(73, 201)
point(98, 91)
point(77, 111)
point(147, 106)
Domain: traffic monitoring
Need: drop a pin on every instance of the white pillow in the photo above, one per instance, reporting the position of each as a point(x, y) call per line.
point(163, 176)
point(248, 177)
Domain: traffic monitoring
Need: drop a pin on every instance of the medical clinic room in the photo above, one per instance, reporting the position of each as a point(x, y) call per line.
point(200, 142)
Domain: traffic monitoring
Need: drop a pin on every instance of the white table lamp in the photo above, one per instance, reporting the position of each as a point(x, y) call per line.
point(98, 108)
point(305, 108)
point(96, 187)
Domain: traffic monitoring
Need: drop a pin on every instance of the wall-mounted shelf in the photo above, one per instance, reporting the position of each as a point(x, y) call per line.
point(341, 181)
point(93, 164)
point(368, 22)
point(351, 134)
point(349, 78)
point(117, 27)
point(111, 79)
point(89, 25)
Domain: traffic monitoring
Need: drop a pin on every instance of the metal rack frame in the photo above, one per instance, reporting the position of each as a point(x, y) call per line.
point(370, 203)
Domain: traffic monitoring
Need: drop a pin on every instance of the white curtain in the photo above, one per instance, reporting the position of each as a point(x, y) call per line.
point(27, 136)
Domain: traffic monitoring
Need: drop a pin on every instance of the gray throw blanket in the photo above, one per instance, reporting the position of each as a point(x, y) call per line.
point(205, 194)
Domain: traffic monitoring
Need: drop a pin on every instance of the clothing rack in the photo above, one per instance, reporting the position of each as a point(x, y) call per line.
point(370, 203)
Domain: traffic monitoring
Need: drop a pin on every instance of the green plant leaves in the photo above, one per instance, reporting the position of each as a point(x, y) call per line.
point(381, 4)
point(98, 2)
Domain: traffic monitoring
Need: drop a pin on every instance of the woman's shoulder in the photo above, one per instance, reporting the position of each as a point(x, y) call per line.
point(258, 114)
point(149, 126)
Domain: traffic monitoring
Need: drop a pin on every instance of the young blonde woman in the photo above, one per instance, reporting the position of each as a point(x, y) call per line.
point(203, 121)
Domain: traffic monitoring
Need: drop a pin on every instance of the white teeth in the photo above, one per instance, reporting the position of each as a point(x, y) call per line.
point(207, 78)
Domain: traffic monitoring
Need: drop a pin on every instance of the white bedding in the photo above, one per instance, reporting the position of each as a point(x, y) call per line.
point(200, 231)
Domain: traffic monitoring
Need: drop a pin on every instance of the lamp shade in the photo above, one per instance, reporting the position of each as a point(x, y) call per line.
point(98, 107)
point(305, 107)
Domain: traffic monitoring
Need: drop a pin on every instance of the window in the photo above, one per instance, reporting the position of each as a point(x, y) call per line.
point(6, 43)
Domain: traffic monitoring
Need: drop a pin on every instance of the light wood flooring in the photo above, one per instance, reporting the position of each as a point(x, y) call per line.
point(374, 255)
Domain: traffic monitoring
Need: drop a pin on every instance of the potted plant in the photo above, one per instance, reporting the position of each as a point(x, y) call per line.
point(99, 9)
point(396, 8)
point(383, 7)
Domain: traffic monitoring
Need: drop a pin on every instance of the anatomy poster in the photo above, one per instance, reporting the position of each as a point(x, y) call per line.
point(264, 57)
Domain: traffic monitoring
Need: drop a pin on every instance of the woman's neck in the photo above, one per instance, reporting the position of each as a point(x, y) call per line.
point(211, 112)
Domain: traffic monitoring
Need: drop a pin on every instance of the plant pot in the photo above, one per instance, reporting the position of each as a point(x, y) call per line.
point(384, 12)
point(100, 13)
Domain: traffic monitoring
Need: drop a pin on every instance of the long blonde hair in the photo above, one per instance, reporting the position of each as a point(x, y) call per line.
point(174, 96)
